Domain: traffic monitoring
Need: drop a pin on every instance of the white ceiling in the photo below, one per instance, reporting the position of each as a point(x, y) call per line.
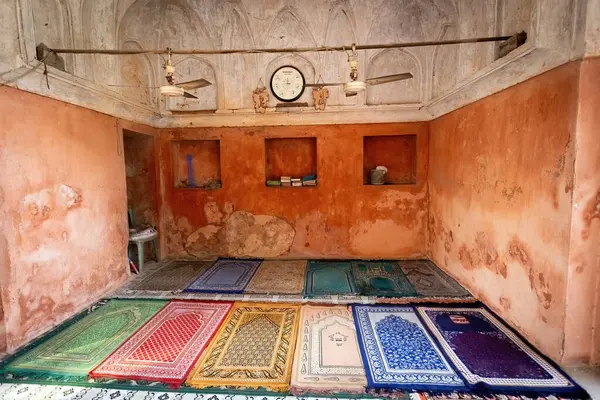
point(215, 24)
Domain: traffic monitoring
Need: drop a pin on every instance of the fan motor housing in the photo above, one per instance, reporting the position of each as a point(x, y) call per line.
point(354, 86)
point(170, 90)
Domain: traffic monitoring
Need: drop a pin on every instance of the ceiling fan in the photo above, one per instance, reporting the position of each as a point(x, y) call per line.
point(175, 89)
point(354, 86)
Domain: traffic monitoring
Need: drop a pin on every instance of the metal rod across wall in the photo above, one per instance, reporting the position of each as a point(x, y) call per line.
point(294, 50)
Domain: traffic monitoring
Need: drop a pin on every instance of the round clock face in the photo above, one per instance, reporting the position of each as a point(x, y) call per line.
point(287, 83)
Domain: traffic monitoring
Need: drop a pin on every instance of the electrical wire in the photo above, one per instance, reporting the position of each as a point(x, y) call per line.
point(522, 35)
point(23, 75)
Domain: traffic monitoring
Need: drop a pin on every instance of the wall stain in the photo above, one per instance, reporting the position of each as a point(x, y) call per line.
point(505, 302)
point(518, 252)
point(482, 254)
point(591, 212)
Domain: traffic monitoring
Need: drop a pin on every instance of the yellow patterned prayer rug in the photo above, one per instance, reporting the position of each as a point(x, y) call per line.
point(253, 349)
point(278, 277)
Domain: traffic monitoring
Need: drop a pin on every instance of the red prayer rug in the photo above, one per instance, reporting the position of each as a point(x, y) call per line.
point(167, 346)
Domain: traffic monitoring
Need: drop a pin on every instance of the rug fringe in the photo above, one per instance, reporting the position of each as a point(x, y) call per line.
point(303, 391)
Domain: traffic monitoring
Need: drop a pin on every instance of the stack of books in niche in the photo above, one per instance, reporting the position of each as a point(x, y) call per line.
point(286, 181)
point(296, 182)
point(309, 180)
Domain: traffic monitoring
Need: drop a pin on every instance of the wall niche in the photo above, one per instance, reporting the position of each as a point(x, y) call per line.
point(196, 164)
point(398, 153)
point(292, 157)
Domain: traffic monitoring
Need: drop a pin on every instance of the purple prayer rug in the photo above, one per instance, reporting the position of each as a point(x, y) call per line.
point(227, 275)
point(488, 354)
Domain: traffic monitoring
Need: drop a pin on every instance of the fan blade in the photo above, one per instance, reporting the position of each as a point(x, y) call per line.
point(351, 94)
point(189, 95)
point(389, 78)
point(322, 84)
point(134, 86)
point(195, 84)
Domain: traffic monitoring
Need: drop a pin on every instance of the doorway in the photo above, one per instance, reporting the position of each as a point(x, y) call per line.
point(142, 189)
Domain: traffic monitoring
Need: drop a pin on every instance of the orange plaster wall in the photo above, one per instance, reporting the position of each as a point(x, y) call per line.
point(339, 218)
point(500, 182)
point(63, 226)
point(582, 338)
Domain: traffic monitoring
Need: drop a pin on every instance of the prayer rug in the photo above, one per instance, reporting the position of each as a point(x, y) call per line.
point(430, 281)
point(489, 354)
point(174, 276)
point(381, 278)
point(166, 348)
point(327, 356)
point(328, 277)
point(253, 349)
point(76, 350)
point(399, 353)
point(227, 275)
point(280, 277)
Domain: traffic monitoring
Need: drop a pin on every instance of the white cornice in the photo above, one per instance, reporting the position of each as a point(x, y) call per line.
point(74, 90)
point(520, 65)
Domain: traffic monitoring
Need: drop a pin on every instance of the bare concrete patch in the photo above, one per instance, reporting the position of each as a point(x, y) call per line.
point(243, 235)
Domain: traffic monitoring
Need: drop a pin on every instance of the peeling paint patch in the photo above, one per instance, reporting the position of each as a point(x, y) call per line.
point(243, 235)
point(591, 212)
point(69, 196)
point(212, 213)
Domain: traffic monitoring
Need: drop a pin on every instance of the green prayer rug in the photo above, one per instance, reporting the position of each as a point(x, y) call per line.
point(328, 278)
point(381, 279)
point(77, 349)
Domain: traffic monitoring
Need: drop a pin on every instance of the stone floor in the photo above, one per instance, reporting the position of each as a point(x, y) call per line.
point(588, 377)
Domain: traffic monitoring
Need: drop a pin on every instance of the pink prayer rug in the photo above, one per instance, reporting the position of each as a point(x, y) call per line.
point(167, 346)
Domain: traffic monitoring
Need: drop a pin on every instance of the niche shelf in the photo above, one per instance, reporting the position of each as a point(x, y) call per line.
point(398, 153)
point(293, 157)
point(196, 164)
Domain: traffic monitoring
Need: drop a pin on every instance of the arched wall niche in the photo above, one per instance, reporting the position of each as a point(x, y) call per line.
point(445, 59)
point(393, 61)
point(239, 72)
point(288, 30)
point(99, 30)
point(137, 70)
point(190, 68)
point(341, 30)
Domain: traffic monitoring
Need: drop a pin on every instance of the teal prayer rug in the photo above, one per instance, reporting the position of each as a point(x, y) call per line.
point(329, 278)
point(382, 279)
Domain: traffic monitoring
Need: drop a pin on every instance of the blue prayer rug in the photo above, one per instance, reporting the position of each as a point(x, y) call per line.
point(227, 275)
point(399, 353)
point(489, 355)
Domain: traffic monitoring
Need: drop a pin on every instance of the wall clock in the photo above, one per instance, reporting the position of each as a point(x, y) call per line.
point(287, 83)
